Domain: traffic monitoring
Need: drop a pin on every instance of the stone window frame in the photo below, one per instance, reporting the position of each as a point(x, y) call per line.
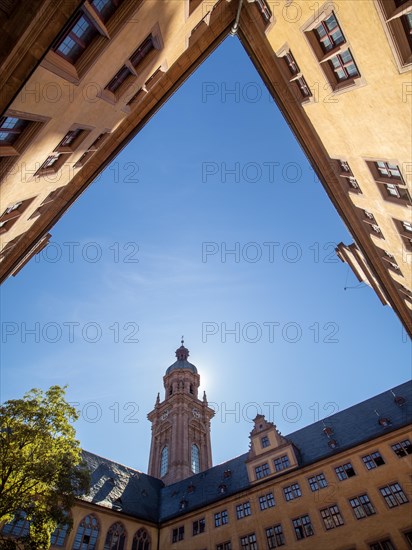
point(63, 152)
point(404, 233)
point(391, 19)
point(275, 536)
point(8, 153)
point(292, 491)
point(347, 175)
point(317, 482)
point(178, 534)
point(390, 495)
point(267, 501)
point(381, 181)
point(140, 74)
point(74, 73)
point(295, 79)
point(199, 526)
point(95, 146)
point(362, 506)
point(302, 525)
point(323, 58)
point(12, 213)
point(331, 517)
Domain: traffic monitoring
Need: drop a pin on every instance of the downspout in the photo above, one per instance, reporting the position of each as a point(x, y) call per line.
point(233, 30)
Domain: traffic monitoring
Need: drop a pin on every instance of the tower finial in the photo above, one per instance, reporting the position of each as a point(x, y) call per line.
point(182, 341)
point(182, 353)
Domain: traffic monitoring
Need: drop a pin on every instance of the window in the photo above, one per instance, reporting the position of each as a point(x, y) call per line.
point(70, 138)
point(389, 179)
point(97, 143)
point(248, 542)
point(343, 170)
point(293, 75)
point(87, 533)
point(221, 518)
point(266, 501)
point(164, 461)
point(291, 63)
point(362, 506)
point(265, 440)
point(80, 35)
point(317, 482)
point(373, 460)
point(369, 219)
point(243, 510)
point(141, 540)
point(344, 66)
point(178, 534)
point(408, 536)
point(329, 34)
point(275, 537)
point(382, 545)
point(86, 27)
point(402, 448)
point(345, 471)
point(224, 546)
point(199, 526)
point(118, 79)
point(303, 527)
point(292, 491)
point(10, 129)
point(262, 471)
point(331, 517)
point(12, 214)
point(331, 49)
point(58, 537)
point(128, 73)
point(393, 495)
point(195, 461)
point(281, 463)
point(405, 231)
point(115, 537)
point(17, 527)
point(397, 22)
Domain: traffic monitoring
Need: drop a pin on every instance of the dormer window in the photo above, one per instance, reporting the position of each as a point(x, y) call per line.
point(383, 421)
point(265, 441)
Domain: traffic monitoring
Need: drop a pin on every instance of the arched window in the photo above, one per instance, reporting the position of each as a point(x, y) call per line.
point(59, 535)
point(195, 459)
point(87, 534)
point(141, 540)
point(115, 537)
point(17, 527)
point(164, 461)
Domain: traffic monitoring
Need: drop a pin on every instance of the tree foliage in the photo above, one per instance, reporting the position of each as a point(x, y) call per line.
point(40, 462)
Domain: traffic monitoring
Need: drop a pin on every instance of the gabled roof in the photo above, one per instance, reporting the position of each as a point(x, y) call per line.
point(146, 497)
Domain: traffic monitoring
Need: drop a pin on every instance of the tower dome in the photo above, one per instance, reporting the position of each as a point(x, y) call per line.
point(182, 354)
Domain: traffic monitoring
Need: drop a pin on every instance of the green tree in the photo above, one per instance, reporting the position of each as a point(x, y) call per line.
point(41, 470)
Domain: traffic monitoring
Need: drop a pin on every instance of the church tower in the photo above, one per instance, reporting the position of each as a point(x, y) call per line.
point(180, 444)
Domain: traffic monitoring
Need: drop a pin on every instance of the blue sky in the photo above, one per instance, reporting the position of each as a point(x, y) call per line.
point(144, 256)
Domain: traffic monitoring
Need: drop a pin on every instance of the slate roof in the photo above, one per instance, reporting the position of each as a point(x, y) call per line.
point(182, 364)
point(122, 489)
point(146, 497)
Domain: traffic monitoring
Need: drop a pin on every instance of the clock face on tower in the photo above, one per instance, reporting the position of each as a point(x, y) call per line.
point(196, 413)
point(164, 415)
